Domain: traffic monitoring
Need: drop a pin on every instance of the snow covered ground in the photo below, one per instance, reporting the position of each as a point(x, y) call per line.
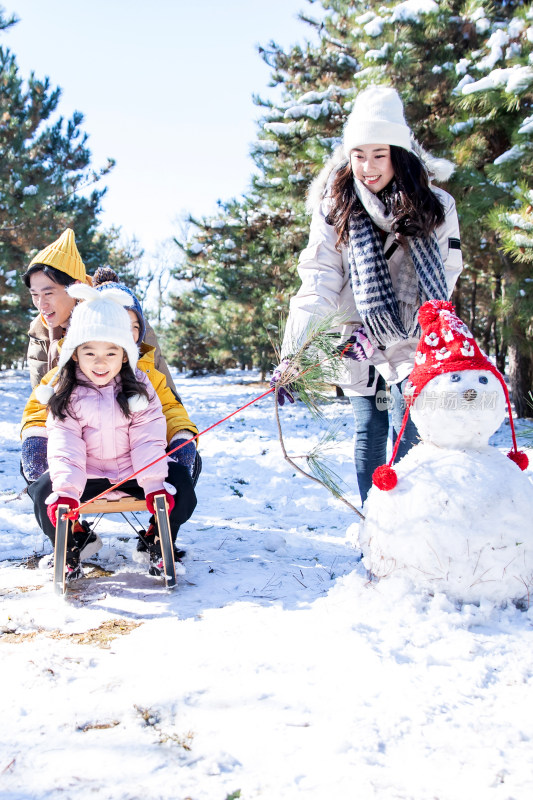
point(275, 670)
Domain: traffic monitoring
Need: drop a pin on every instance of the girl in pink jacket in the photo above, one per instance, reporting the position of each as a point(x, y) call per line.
point(105, 423)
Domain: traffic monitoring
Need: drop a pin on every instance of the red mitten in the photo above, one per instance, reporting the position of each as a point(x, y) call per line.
point(150, 500)
point(51, 508)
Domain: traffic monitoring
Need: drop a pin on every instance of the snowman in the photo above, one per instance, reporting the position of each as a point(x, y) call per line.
point(454, 515)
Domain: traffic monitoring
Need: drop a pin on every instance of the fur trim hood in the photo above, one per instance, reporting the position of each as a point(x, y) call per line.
point(438, 169)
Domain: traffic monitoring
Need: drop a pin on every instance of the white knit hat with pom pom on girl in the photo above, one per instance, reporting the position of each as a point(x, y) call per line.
point(102, 317)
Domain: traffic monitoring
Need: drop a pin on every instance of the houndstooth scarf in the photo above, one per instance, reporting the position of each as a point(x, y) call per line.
point(388, 314)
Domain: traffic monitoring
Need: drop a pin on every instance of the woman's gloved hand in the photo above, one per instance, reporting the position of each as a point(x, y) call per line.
point(285, 392)
point(358, 347)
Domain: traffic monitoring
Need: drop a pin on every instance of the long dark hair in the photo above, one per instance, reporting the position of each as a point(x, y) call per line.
point(59, 403)
point(415, 208)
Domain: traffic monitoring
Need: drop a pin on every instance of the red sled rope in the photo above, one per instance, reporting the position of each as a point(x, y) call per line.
point(74, 514)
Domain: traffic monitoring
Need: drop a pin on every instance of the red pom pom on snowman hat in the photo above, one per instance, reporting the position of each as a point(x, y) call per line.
point(446, 345)
point(384, 478)
point(520, 458)
point(429, 312)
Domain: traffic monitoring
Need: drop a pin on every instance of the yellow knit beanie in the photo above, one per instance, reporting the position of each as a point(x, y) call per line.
point(64, 256)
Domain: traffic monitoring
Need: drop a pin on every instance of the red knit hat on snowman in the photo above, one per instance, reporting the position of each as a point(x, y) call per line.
point(446, 345)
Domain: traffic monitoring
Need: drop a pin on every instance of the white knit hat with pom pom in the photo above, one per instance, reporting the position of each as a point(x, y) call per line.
point(101, 318)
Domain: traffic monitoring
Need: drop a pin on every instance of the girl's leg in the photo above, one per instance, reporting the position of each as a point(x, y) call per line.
point(78, 537)
point(184, 499)
point(39, 491)
point(371, 432)
point(410, 435)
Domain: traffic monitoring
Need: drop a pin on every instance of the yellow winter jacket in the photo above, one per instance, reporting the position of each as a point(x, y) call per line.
point(34, 414)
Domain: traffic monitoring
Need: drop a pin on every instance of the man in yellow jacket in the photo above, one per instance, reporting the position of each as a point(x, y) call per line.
point(53, 269)
point(50, 272)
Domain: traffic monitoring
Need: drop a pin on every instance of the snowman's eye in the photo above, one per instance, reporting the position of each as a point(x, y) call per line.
point(483, 379)
point(454, 377)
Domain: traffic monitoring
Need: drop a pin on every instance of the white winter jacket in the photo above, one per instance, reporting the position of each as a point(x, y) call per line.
point(326, 290)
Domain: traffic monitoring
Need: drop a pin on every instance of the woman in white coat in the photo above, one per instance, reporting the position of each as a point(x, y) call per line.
point(383, 241)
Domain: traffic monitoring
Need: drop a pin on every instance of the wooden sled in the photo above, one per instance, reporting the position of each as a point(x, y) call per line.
point(119, 506)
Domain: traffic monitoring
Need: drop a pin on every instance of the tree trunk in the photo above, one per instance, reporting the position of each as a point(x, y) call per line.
point(457, 298)
point(520, 378)
point(489, 334)
point(500, 349)
point(519, 352)
point(473, 298)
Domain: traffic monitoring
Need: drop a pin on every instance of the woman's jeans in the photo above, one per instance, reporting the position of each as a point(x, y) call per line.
point(372, 431)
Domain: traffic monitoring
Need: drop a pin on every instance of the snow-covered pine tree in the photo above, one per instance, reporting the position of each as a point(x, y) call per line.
point(493, 143)
point(232, 267)
point(464, 72)
point(431, 51)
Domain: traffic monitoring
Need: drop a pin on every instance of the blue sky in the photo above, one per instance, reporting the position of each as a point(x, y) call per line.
point(166, 89)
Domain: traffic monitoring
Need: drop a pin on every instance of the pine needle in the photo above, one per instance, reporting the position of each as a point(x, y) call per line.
point(322, 462)
point(316, 363)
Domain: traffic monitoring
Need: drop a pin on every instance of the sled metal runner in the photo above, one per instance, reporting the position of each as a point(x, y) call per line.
point(161, 511)
point(60, 550)
point(124, 504)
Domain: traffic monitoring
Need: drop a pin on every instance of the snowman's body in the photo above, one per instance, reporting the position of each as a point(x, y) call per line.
point(460, 519)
